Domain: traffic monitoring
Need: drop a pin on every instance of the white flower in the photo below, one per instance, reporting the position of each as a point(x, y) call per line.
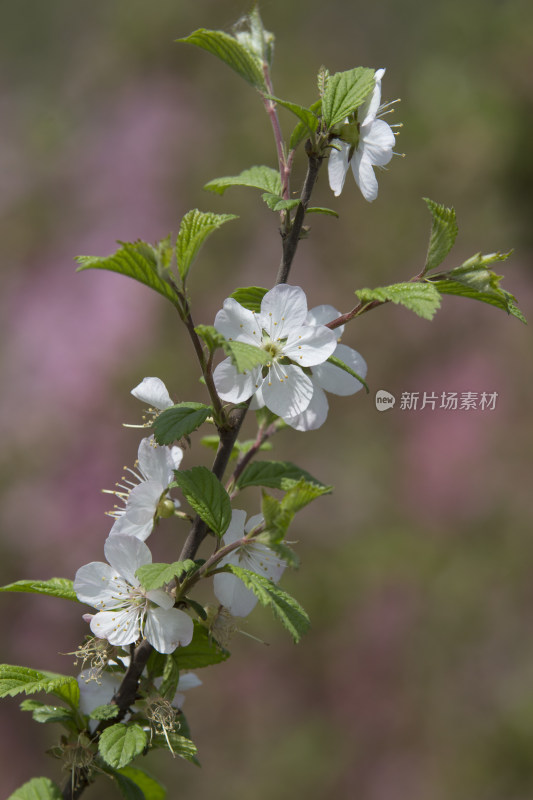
point(328, 377)
point(257, 557)
point(372, 146)
point(145, 499)
point(126, 611)
point(281, 329)
point(154, 393)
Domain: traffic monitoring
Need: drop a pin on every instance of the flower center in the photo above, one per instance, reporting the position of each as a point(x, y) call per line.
point(273, 348)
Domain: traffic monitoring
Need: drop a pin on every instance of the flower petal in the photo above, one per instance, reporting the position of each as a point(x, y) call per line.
point(314, 415)
point(237, 322)
point(233, 386)
point(233, 594)
point(166, 629)
point(310, 345)
point(155, 462)
point(377, 143)
point(262, 560)
point(126, 554)
point(368, 110)
point(364, 177)
point(95, 584)
point(287, 390)
point(334, 379)
point(338, 166)
point(153, 392)
point(93, 694)
point(283, 310)
point(235, 529)
point(118, 627)
point(161, 598)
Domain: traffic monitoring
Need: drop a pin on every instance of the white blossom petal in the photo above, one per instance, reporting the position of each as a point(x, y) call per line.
point(370, 107)
point(364, 177)
point(334, 379)
point(235, 529)
point(378, 142)
point(314, 415)
point(310, 345)
point(93, 694)
point(236, 322)
point(233, 386)
point(95, 584)
point(155, 463)
point(161, 598)
point(119, 627)
point(283, 310)
point(287, 390)
point(233, 594)
point(126, 554)
point(153, 392)
point(167, 629)
point(338, 166)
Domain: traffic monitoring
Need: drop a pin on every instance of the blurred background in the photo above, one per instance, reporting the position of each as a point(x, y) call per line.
point(416, 679)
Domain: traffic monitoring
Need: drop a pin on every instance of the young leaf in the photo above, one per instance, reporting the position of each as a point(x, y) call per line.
point(256, 39)
point(305, 115)
point(320, 210)
point(277, 203)
point(289, 612)
point(422, 298)
point(37, 789)
point(149, 788)
point(301, 494)
point(195, 227)
point(246, 356)
point(181, 746)
point(47, 713)
point(232, 52)
point(301, 131)
point(179, 420)
point(153, 575)
point(201, 652)
point(345, 91)
point(250, 297)
point(443, 233)
point(137, 261)
point(56, 587)
point(207, 496)
point(475, 281)
point(211, 337)
point(341, 365)
point(108, 711)
point(119, 744)
point(264, 178)
point(15, 680)
point(171, 676)
point(274, 474)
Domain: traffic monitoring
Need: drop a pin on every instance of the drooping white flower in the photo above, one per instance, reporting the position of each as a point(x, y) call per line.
point(144, 499)
point(328, 377)
point(371, 145)
point(154, 393)
point(252, 555)
point(126, 612)
point(281, 329)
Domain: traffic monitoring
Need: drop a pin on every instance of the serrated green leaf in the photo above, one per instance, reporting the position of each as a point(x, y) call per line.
point(245, 357)
point(443, 233)
point(108, 711)
point(420, 297)
point(149, 788)
point(42, 712)
point(473, 280)
point(201, 652)
point(37, 789)
point(264, 178)
point(320, 210)
point(337, 362)
point(212, 442)
point(181, 746)
point(301, 131)
point(207, 496)
point(345, 91)
point(289, 612)
point(120, 743)
point(195, 228)
point(277, 519)
point(305, 115)
point(210, 336)
point(55, 587)
point(153, 575)
point(277, 203)
point(169, 684)
point(301, 494)
point(137, 260)
point(274, 474)
point(178, 421)
point(250, 297)
point(17, 680)
point(232, 52)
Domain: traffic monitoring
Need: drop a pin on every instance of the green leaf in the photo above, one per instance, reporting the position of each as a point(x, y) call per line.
point(207, 496)
point(256, 39)
point(149, 788)
point(259, 177)
point(246, 356)
point(274, 474)
point(337, 362)
point(301, 494)
point(37, 789)
point(47, 713)
point(201, 652)
point(120, 743)
point(305, 115)
point(181, 746)
point(232, 52)
point(212, 442)
point(169, 684)
point(420, 297)
point(301, 131)
point(345, 91)
point(277, 519)
point(250, 297)
point(177, 421)
point(289, 612)
point(108, 711)
point(211, 337)
point(153, 575)
point(17, 680)
point(137, 261)
point(320, 210)
point(475, 281)
point(55, 587)
point(195, 227)
point(443, 233)
point(277, 203)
